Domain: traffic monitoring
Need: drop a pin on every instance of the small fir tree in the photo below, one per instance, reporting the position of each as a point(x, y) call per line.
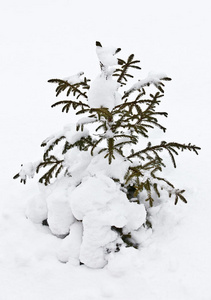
point(106, 144)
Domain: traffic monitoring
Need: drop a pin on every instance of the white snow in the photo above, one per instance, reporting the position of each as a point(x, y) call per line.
point(103, 93)
point(77, 162)
point(106, 55)
point(102, 207)
point(36, 209)
point(28, 170)
point(152, 78)
point(86, 120)
point(71, 244)
point(72, 138)
point(174, 261)
point(69, 132)
point(60, 216)
point(117, 169)
point(72, 135)
point(74, 78)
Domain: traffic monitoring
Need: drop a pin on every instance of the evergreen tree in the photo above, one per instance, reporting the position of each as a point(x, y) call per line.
point(114, 120)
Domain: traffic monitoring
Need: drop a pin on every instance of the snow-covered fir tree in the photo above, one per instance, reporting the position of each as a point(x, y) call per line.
point(99, 184)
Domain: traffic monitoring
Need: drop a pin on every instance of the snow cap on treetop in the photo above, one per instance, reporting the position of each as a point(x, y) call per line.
point(106, 55)
point(104, 90)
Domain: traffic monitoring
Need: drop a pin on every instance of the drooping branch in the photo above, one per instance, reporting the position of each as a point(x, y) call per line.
point(50, 144)
point(56, 167)
point(155, 79)
point(68, 103)
point(71, 87)
point(135, 117)
point(171, 147)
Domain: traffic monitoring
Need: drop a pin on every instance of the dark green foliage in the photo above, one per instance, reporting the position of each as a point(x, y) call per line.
point(115, 129)
point(172, 149)
point(68, 103)
point(126, 238)
point(122, 72)
point(50, 146)
point(139, 115)
point(75, 88)
point(140, 86)
point(152, 162)
point(98, 44)
point(55, 165)
point(83, 144)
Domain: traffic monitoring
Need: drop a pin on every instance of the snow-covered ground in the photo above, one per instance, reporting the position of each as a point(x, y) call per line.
point(47, 39)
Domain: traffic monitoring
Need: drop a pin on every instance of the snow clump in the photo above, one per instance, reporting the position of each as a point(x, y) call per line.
point(106, 55)
point(86, 208)
point(104, 93)
point(104, 90)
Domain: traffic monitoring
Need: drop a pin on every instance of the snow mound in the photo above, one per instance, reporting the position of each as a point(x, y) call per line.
point(36, 209)
point(70, 247)
point(60, 216)
point(88, 216)
point(103, 207)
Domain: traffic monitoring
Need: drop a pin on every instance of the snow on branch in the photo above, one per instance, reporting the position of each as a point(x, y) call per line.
point(74, 78)
point(102, 181)
point(71, 86)
point(28, 170)
point(155, 79)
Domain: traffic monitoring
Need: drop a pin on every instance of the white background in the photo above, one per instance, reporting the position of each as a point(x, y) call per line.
point(47, 39)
